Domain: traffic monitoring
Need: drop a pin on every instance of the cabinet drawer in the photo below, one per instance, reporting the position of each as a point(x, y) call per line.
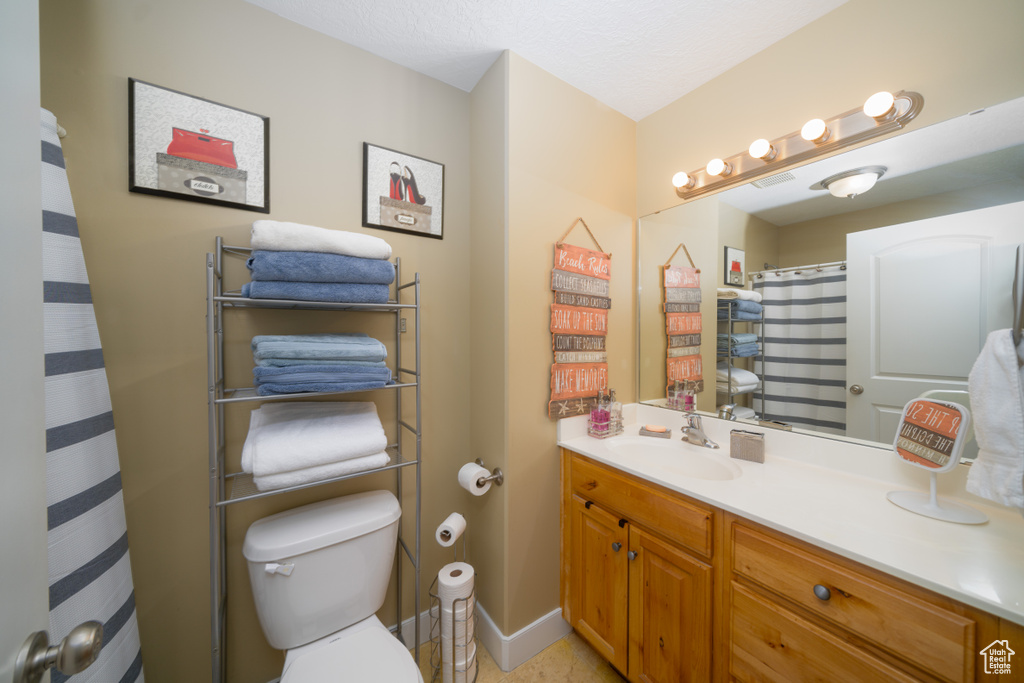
point(928, 636)
point(770, 643)
point(686, 523)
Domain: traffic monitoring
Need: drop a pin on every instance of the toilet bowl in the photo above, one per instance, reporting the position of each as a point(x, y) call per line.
point(319, 573)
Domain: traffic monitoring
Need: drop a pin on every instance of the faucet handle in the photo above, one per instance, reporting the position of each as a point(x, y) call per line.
point(693, 421)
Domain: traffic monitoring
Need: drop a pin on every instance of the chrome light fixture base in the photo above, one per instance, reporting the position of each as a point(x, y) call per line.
point(845, 130)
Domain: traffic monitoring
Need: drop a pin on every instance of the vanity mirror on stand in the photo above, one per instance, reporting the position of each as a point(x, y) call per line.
point(875, 298)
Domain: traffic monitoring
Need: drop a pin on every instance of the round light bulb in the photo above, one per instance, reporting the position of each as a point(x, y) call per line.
point(880, 105)
point(762, 149)
point(718, 167)
point(815, 130)
point(682, 180)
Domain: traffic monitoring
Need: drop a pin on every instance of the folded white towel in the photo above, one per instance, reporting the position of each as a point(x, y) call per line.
point(723, 388)
point(292, 436)
point(733, 293)
point(310, 475)
point(283, 236)
point(739, 375)
point(996, 386)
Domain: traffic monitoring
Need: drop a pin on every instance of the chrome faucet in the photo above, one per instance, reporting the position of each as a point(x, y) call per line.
point(693, 432)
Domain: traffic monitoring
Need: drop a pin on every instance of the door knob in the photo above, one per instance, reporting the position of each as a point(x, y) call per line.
point(74, 653)
point(857, 389)
point(616, 547)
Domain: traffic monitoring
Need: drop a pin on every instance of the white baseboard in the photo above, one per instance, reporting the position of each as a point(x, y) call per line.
point(508, 652)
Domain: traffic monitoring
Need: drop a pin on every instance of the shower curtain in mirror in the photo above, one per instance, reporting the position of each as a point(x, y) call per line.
point(89, 569)
point(804, 346)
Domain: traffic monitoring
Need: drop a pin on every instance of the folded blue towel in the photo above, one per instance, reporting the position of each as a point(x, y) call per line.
point(336, 347)
point(287, 362)
point(745, 350)
point(309, 266)
point(337, 292)
point(273, 388)
point(303, 374)
point(727, 340)
point(738, 315)
point(740, 305)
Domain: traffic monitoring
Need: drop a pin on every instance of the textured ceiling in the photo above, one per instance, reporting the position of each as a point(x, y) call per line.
point(636, 56)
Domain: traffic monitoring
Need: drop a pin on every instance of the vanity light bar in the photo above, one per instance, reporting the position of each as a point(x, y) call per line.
point(883, 113)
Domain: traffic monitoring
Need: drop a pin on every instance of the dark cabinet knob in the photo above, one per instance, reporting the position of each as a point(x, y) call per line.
point(616, 547)
point(821, 592)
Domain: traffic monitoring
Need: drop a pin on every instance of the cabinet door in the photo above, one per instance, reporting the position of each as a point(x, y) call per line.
point(670, 613)
point(599, 580)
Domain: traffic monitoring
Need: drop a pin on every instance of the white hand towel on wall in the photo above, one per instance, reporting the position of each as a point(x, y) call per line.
point(292, 436)
point(996, 386)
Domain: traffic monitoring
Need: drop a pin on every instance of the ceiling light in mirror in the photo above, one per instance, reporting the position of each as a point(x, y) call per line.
point(815, 131)
point(682, 180)
point(881, 106)
point(717, 167)
point(851, 183)
point(763, 150)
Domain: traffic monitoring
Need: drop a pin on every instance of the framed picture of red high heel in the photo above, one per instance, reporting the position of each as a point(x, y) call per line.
point(185, 147)
point(402, 192)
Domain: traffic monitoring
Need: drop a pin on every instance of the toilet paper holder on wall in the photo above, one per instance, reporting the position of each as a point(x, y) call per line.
point(497, 476)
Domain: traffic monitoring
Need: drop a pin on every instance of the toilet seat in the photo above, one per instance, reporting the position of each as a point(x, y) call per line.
point(365, 652)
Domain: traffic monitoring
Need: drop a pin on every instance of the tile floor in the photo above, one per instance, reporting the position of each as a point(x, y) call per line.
point(569, 660)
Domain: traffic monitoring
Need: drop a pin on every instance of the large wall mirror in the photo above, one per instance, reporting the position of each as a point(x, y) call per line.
point(867, 302)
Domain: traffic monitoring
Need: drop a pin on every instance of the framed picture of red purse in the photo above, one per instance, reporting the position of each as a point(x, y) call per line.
point(186, 147)
point(402, 192)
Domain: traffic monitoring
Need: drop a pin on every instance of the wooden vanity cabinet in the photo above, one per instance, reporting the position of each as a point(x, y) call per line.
point(669, 589)
point(640, 599)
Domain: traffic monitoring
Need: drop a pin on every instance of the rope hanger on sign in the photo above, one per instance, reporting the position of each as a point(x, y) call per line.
point(688, 257)
point(580, 220)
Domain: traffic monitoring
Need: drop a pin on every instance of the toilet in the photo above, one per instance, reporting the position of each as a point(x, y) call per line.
point(319, 573)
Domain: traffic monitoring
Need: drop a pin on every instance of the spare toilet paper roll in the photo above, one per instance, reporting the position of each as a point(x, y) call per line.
point(451, 529)
point(454, 581)
point(470, 474)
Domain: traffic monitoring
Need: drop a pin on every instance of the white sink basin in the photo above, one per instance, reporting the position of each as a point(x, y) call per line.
point(675, 457)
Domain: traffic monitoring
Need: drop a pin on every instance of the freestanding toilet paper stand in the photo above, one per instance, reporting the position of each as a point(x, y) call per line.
point(451, 671)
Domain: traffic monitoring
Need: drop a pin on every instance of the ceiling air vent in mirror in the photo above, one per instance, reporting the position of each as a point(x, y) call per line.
point(773, 180)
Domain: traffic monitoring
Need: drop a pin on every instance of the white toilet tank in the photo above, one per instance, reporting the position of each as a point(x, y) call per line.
point(319, 568)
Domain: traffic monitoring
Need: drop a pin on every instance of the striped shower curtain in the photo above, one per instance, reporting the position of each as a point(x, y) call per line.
point(804, 348)
point(90, 572)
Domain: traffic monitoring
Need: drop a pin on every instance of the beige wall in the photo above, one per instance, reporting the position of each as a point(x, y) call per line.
point(824, 240)
point(960, 56)
point(487, 532)
point(145, 257)
point(569, 157)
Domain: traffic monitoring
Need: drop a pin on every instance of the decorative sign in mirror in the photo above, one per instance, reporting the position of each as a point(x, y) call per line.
point(931, 435)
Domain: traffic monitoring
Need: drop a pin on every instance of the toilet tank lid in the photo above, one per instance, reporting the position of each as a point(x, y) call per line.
point(319, 525)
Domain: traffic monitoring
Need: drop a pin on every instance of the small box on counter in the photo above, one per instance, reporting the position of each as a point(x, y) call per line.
point(744, 445)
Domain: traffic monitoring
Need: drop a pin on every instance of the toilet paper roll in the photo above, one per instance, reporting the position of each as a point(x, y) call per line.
point(464, 669)
point(461, 629)
point(450, 530)
point(455, 580)
point(470, 474)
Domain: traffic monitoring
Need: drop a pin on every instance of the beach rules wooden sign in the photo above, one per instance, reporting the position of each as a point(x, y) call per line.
point(581, 280)
point(683, 324)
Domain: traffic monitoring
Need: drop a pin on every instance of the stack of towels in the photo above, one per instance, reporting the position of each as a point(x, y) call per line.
point(745, 304)
point(289, 364)
point(741, 382)
point(306, 263)
point(290, 444)
point(743, 345)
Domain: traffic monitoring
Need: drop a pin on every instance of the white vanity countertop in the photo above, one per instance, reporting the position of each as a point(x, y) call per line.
point(833, 494)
